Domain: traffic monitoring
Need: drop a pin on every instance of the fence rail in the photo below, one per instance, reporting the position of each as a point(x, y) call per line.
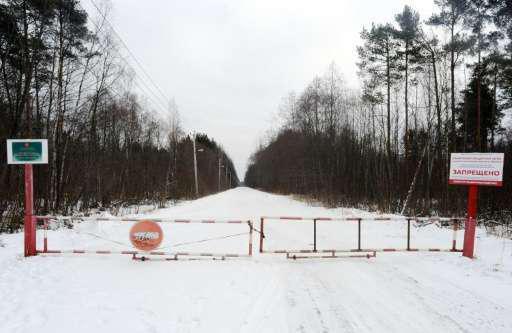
point(122, 219)
point(46, 250)
point(359, 251)
point(455, 221)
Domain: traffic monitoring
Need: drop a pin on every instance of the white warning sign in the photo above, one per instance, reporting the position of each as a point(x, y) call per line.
point(485, 169)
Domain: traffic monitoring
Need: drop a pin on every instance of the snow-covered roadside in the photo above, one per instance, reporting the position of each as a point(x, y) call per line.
point(397, 292)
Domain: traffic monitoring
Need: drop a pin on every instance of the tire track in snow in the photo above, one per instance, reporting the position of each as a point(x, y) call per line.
point(268, 304)
point(316, 309)
point(445, 298)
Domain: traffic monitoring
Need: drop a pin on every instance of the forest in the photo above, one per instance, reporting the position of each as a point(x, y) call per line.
point(430, 86)
point(64, 77)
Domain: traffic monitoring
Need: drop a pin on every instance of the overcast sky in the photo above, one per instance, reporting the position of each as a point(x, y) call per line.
point(228, 64)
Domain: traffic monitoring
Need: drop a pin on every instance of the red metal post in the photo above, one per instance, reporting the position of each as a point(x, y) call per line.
point(30, 222)
point(469, 233)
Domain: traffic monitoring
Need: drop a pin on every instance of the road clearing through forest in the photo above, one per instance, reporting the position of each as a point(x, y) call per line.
point(394, 292)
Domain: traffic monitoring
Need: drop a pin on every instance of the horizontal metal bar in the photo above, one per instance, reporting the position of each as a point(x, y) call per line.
point(141, 219)
point(362, 250)
point(366, 218)
point(179, 259)
point(371, 254)
point(285, 218)
point(153, 253)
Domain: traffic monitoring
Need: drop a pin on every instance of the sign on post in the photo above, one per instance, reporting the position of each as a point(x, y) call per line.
point(27, 151)
point(483, 169)
point(473, 170)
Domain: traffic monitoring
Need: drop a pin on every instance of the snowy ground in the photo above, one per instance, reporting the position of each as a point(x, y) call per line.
point(394, 292)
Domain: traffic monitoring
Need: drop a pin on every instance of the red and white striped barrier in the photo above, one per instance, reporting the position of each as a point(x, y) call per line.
point(364, 218)
point(123, 219)
point(151, 253)
point(332, 252)
point(46, 220)
point(363, 250)
point(321, 255)
point(454, 220)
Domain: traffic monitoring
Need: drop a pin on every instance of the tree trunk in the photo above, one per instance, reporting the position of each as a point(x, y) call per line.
point(438, 107)
point(406, 140)
point(452, 80)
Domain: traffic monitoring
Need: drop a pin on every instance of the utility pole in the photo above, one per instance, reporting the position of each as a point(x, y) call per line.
point(195, 164)
point(219, 172)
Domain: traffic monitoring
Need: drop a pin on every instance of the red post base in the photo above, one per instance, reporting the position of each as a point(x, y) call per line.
point(30, 222)
point(469, 234)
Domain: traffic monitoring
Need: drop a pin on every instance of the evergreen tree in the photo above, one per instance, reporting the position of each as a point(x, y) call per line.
point(476, 18)
point(450, 17)
point(502, 14)
point(407, 33)
point(379, 59)
point(467, 116)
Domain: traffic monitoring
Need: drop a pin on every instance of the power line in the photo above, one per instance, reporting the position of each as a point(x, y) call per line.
point(136, 82)
point(166, 99)
point(156, 100)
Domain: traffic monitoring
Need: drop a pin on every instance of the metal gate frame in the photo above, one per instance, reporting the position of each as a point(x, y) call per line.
point(455, 221)
point(135, 253)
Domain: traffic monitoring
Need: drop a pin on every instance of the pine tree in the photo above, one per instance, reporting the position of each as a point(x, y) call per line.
point(407, 33)
point(468, 118)
point(502, 14)
point(476, 18)
point(379, 59)
point(450, 17)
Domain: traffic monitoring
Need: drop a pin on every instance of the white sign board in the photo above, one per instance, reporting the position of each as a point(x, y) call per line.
point(27, 151)
point(476, 169)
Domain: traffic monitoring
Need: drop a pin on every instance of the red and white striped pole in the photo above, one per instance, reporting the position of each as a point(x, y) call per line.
point(45, 237)
point(250, 237)
point(455, 228)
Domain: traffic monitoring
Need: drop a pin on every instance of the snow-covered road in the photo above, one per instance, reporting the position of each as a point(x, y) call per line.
point(395, 292)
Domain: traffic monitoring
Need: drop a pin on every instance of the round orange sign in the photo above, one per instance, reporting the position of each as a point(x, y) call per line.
point(146, 235)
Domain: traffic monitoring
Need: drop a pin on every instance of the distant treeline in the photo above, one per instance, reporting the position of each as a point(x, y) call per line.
point(64, 82)
point(387, 147)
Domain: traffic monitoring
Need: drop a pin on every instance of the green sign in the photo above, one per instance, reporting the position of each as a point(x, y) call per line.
point(27, 151)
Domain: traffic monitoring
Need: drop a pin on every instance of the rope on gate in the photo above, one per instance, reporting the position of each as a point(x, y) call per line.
point(170, 246)
point(258, 231)
point(165, 247)
point(103, 238)
point(205, 240)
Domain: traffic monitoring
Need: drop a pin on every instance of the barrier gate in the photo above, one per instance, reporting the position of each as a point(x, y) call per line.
point(44, 223)
point(357, 250)
point(315, 250)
